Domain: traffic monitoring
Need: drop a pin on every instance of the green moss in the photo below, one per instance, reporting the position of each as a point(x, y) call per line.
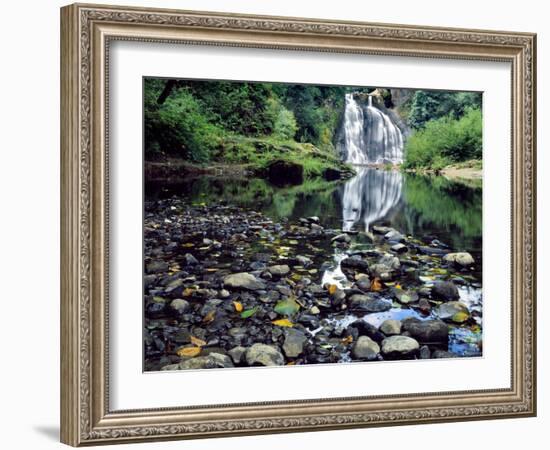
point(258, 153)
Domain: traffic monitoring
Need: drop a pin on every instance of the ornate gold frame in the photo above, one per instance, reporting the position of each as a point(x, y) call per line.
point(86, 31)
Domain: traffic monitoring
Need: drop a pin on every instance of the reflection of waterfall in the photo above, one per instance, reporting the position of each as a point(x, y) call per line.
point(369, 196)
point(370, 135)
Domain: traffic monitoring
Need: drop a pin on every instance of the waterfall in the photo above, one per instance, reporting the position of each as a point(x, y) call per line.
point(370, 135)
point(353, 132)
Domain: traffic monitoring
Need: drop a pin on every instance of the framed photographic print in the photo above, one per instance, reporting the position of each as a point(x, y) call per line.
point(279, 224)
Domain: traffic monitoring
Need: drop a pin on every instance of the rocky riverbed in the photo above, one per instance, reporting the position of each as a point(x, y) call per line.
point(228, 287)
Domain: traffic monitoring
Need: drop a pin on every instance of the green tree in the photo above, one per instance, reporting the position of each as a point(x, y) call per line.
point(178, 126)
point(431, 105)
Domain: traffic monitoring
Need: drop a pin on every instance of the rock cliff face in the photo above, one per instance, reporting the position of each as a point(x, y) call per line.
point(400, 96)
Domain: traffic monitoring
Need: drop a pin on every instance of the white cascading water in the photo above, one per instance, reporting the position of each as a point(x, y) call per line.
point(353, 132)
point(371, 137)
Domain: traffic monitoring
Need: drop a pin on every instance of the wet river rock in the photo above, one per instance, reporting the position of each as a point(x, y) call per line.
point(427, 331)
point(445, 290)
point(355, 263)
point(453, 311)
point(365, 348)
point(391, 327)
point(462, 259)
point(211, 361)
point(400, 347)
point(264, 355)
point(369, 303)
point(279, 270)
point(294, 343)
point(243, 281)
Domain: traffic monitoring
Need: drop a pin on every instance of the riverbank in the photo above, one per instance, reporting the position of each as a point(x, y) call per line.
point(229, 287)
point(282, 161)
point(465, 170)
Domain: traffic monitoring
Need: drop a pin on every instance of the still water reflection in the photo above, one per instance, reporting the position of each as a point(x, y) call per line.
point(420, 206)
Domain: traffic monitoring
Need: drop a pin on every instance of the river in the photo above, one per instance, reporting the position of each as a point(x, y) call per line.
point(429, 208)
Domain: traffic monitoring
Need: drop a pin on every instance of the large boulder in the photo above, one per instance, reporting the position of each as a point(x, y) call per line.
point(369, 304)
point(155, 308)
point(264, 355)
point(446, 291)
point(210, 361)
point(391, 327)
point(394, 236)
point(284, 173)
point(365, 348)
point(190, 260)
point(179, 306)
point(156, 266)
point(279, 270)
point(343, 237)
point(399, 347)
point(399, 248)
point(405, 297)
point(362, 328)
point(386, 268)
point(461, 259)
point(355, 263)
point(294, 343)
point(454, 311)
point(390, 261)
point(427, 331)
point(333, 173)
point(237, 354)
point(243, 280)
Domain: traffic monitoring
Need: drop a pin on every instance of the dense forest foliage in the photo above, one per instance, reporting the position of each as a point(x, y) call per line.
point(446, 128)
point(248, 123)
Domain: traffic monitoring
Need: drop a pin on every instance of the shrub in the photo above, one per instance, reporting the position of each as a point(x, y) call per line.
point(285, 124)
point(445, 141)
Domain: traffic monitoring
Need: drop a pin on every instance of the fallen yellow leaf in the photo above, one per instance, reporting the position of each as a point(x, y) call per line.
point(198, 342)
point(347, 339)
point(376, 285)
point(209, 317)
point(398, 286)
point(187, 292)
point(283, 323)
point(189, 351)
point(238, 306)
point(332, 288)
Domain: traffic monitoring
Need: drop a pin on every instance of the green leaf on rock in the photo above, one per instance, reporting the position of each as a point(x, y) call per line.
point(249, 312)
point(287, 307)
point(460, 317)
